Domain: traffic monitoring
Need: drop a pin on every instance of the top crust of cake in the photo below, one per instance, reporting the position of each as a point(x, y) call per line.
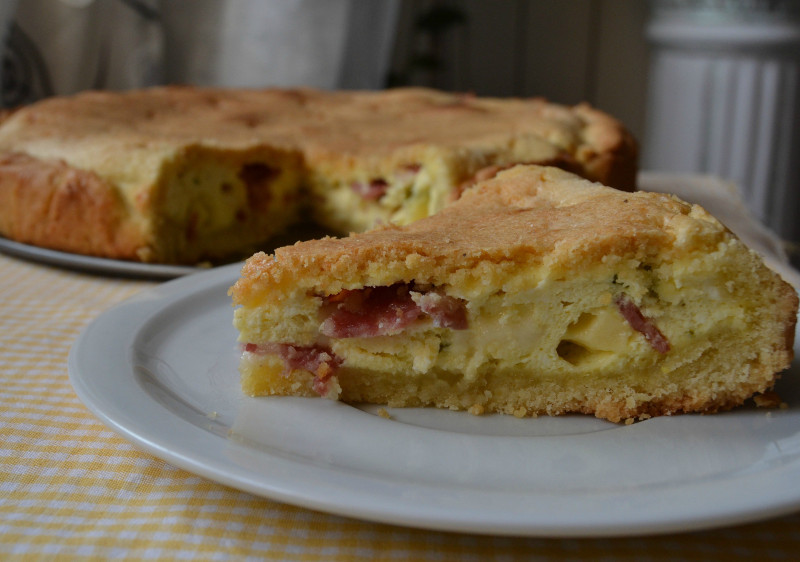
point(526, 215)
point(124, 136)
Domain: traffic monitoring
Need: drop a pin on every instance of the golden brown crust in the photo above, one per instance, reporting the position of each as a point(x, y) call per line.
point(119, 142)
point(611, 155)
point(48, 203)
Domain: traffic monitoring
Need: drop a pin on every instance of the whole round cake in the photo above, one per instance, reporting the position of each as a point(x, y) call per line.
point(183, 175)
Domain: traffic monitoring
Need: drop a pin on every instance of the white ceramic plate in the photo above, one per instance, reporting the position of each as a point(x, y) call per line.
point(93, 264)
point(160, 369)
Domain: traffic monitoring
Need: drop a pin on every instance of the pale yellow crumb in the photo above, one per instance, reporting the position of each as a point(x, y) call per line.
point(476, 409)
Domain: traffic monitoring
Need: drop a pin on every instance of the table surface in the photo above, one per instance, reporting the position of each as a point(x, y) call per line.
point(71, 488)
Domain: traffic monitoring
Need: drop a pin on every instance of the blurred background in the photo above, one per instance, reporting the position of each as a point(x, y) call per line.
point(707, 86)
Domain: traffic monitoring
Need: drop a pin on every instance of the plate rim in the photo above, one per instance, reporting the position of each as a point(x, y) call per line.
point(147, 303)
point(95, 264)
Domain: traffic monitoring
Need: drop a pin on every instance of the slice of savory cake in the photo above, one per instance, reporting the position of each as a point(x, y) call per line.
point(536, 293)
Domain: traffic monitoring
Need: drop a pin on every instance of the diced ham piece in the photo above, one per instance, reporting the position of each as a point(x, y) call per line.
point(641, 324)
point(377, 187)
point(372, 311)
point(316, 359)
point(322, 386)
point(371, 191)
point(257, 179)
point(445, 311)
point(382, 311)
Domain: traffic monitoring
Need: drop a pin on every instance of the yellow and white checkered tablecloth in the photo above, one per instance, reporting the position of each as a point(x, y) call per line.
point(72, 489)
